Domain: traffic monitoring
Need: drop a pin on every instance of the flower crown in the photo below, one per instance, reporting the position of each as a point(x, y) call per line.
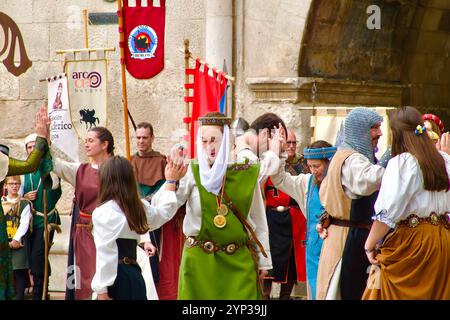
point(420, 129)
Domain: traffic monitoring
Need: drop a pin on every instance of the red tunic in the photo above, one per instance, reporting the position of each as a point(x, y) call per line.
point(86, 192)
point(275, 198)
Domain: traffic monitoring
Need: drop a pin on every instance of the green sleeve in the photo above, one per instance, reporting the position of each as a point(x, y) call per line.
point(18, 167)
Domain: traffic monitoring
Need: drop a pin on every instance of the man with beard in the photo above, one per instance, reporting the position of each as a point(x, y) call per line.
point(348, 194)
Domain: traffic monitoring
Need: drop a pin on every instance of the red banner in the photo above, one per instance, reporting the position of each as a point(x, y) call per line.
point(209, 87)
point(144, 38)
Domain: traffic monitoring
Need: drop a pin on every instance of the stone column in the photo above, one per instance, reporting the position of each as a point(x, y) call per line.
point(219, 32)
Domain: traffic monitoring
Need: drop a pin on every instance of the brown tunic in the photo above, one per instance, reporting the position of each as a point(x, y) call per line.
point(149, 168)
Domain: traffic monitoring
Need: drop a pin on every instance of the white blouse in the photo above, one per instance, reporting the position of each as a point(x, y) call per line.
point(402, 192)
point(360, 177)
point(188, 193)
point(294, 186)
point(109, 224)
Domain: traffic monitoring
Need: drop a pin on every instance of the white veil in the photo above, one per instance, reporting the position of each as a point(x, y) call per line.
point(211, 177)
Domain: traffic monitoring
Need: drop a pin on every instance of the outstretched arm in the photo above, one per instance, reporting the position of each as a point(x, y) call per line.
point(41, 126)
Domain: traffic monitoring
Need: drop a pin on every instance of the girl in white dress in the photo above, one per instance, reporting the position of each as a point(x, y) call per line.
point(118, 223)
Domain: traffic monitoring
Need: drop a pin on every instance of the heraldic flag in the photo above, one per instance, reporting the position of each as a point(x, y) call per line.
point(209, 88)
point(144, 27)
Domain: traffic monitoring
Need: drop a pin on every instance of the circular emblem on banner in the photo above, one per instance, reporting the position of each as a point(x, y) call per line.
point(142, 42)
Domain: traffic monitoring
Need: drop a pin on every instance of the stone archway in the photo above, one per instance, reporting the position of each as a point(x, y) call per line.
point(406, 62)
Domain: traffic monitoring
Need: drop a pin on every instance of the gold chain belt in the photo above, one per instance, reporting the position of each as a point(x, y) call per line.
point(414, 220)
point(210, 247)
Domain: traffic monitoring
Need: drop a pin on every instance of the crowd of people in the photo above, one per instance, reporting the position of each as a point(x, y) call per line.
point(247, 211)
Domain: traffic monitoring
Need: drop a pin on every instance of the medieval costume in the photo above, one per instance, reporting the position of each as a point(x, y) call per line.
point(287, 232)
point(11, 167)
point(348, 194)
point(415, 257)
point(149, 173)
point(304, 189)
point(33, 182)
point(117, 270)
point(224, 203)
point(81, 258)
point(18, 218)
point(81, 262)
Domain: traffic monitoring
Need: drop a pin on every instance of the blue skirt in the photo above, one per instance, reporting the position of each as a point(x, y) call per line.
point(129, 284)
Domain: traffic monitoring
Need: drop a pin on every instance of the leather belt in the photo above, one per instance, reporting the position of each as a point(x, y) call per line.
point(210, 247)
point(414, 220)
point(350, 224)
point(128, 260)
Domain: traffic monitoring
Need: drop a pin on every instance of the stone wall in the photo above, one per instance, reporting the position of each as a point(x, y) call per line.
point(48, 25)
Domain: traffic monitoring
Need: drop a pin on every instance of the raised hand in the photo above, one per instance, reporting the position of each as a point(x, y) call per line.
point(177, 155)
point(175, 171)
point(444, 143)
point(42, 123)
point(278, 140)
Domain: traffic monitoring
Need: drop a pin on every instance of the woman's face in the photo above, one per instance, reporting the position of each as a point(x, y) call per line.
point(211, 141)
point(318, 169)
point(93, 145)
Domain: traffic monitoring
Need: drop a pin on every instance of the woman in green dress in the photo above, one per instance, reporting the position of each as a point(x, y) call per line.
point(12, 167)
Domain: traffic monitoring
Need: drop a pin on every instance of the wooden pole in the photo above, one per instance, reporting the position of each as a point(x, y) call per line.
point(86, 36)
point(46, 241)
point(187, 54)
point(124, 82)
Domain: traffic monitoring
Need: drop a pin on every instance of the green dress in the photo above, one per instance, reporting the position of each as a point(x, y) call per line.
point(222, 276)
point(15, 167)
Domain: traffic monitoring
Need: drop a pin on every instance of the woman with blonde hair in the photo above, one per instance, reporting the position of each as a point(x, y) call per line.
point(413, 261)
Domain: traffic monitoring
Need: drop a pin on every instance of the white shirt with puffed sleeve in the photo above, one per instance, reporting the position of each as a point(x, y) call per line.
point(110, 223)
point(402, 192)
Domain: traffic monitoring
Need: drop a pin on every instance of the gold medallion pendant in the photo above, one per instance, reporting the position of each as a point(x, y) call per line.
point(220, 221)
point(222, 210)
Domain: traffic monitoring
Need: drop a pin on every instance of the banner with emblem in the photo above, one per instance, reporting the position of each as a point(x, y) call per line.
point(87, 94)
point(144, 28)
point(62, 133)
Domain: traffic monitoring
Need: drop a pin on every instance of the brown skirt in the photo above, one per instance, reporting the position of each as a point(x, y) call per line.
point(414, 265)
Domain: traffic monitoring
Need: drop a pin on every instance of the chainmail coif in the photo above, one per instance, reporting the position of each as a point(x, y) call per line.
point(357, 131)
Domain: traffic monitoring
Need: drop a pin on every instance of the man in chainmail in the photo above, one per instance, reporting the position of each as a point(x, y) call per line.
point(348, 194)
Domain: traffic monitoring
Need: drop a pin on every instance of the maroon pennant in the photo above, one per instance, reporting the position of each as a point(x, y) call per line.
point(144, 28)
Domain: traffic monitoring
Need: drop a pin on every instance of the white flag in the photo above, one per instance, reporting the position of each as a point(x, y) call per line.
point(87, 94)
point(62, 134)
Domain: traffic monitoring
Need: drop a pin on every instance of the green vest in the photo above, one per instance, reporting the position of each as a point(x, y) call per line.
point(222, 276)
point(32, 181)
point(20, 259)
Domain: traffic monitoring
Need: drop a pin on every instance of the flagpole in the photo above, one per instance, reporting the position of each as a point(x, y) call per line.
point(124, 80)
point(186, 77)
point(86, 37)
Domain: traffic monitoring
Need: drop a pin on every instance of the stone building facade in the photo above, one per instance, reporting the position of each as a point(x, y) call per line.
point(277, 50)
